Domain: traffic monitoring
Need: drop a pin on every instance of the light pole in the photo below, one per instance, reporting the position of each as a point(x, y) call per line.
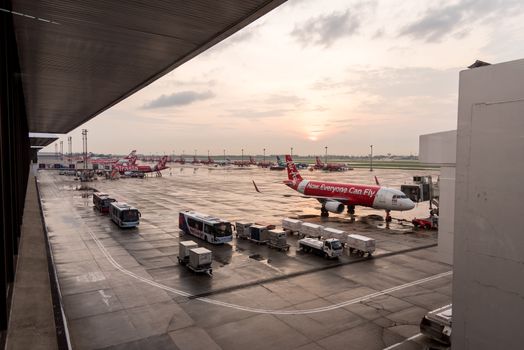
point(291, 152)
point(264, 155)
point(325, 160)
point(224, 156)
point(242, 162)
point(371, 159)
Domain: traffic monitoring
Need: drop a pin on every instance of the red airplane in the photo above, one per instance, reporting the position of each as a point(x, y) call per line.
point(249, 162)
point(209, 161)
point(131, 168)
point(334, 196)
point(329, 166)
point(180, 160)
point(130, 159)
point(195, 160)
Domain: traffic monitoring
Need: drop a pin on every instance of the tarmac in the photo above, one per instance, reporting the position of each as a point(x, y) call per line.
point(124, 288)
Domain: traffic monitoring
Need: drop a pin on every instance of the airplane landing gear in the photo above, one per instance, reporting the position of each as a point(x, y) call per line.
point(351, 212)
point(323, 212)
point(388, 216)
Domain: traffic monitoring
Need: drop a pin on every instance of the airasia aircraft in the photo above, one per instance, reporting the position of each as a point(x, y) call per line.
point(334, 196)
point(249, 162)
point(124, 168)
point(130, 159)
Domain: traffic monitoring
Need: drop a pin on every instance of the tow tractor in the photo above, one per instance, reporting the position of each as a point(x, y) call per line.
point(427, 223)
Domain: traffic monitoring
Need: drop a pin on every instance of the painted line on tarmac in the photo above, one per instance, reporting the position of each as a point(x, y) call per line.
point(115, 264)
point(402, 342)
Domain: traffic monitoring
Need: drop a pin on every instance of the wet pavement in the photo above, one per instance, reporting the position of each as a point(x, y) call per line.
point(124, 288)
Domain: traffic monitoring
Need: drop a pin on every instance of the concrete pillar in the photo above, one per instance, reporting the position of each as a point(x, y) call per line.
point(488, 269)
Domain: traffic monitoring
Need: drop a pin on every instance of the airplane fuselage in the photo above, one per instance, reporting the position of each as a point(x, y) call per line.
point(372, 196)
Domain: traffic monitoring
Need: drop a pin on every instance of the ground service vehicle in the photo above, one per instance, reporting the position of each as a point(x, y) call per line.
point(361, 245)
point(437, 324)
point(427, 223)
point(183, 251)
point(329, 248)
point(242, 228)
point(200, 260)
point(101, 201)
point(206, 227)
point(124, 215)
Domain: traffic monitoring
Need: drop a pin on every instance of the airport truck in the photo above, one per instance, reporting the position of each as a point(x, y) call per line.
point(360, 245)
point(329, 248)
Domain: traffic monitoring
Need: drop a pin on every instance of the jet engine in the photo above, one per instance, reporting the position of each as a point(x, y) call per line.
point(334, 206)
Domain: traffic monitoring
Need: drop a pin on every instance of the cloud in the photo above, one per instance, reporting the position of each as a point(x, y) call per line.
point(247, 113)
point(454, 19)
point(178, 99)
point(325, 30)
point(284, 99)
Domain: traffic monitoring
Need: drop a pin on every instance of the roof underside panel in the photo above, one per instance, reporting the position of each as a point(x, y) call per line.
point(80, 57)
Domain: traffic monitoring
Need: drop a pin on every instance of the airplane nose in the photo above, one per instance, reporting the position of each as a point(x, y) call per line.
point(409, 204)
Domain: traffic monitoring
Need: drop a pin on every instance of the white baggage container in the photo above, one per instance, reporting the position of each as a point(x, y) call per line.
point(308, 229)
point(360, 244)
point(200, 258)
point(278, 239)
point(242, 228)
point(184, 247)
point(292, 225)
point(328, 232)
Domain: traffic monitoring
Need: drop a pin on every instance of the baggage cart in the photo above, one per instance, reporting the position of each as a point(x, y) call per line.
point(278, 240)
point(291, 225)
point(258, 234)
point(183, 251)
point(242, 229)
point(200, 260)
point(360, 245)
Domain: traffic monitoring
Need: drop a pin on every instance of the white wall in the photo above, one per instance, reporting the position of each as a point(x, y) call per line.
point(441, 148)
point(488, 271)
point(438, 148)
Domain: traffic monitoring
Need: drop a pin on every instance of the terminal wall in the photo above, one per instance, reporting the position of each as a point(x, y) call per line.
point(488, 283)
point(441, 148)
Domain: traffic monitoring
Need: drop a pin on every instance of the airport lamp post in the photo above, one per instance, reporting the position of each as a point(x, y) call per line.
point(242, 156)
point(325, 159)
point(291, 152)
point(264, 155)
point(371, 159)
point(224, 156)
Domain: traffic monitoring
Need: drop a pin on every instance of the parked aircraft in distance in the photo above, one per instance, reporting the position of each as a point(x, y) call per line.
point(279, 166)
point(329, 166)
point(143, 169)
point(180, 160)
point(334, 196)
point(130, 159)
point(249, 162)
point(209, 161)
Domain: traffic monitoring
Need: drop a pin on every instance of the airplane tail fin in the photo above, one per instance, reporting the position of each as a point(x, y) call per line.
point(251, 160)
point(161, 163)
point(131, 155)
point(319, 162)
point(292, 172)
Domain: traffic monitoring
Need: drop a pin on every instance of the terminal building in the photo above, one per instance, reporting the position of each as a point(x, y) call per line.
point(482, 167)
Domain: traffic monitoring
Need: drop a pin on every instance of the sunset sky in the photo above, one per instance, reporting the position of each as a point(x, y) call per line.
point(343, 74)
